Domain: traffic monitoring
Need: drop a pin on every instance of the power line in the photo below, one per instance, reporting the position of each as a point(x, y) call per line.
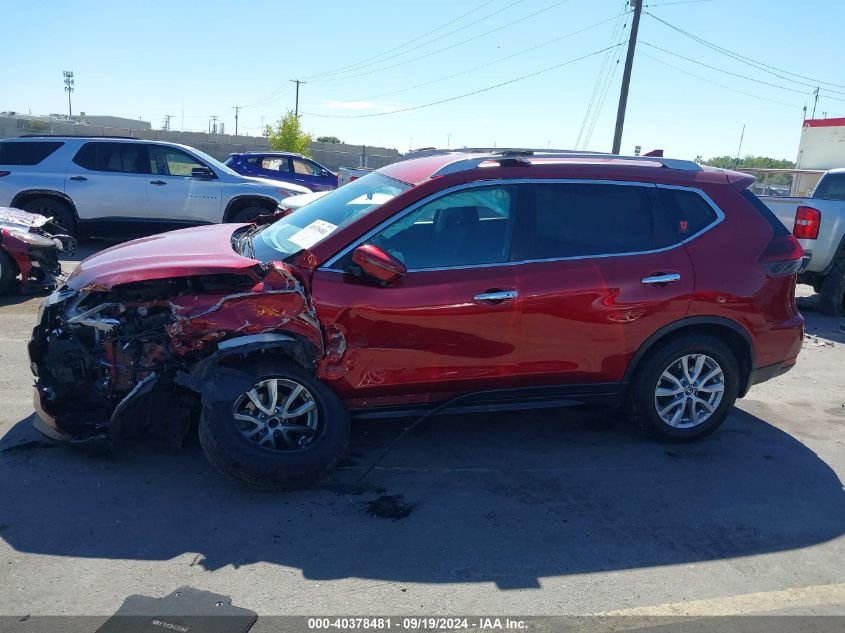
point(416, 39)
point(461, 96)
point(451, 46)
point(744, 59)
point(715, 83)
point(490, 63)
point(726, 72)
point(601, 78)
point(606, 89)
point(667, 4)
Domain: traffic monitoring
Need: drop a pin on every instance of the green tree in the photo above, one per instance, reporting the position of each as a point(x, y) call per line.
point(750, 162)
point(286, 135)
point(329, 139)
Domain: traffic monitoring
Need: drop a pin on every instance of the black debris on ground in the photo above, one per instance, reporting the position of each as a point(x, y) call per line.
point(389, 507)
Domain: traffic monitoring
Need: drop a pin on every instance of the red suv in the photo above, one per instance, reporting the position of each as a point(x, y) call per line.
point(460, 281)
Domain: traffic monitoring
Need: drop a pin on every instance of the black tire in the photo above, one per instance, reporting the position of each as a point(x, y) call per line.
point(8, 271)
point(237, 457)
point(640, 402)
point(248, 214)
point(832, 291)
point(56, 209)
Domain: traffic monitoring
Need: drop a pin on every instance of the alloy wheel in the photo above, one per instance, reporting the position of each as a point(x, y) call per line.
point(689, 391)
point(278, 414)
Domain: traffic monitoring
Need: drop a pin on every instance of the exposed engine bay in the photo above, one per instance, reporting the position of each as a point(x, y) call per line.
point(30, 245)
point(114, 361)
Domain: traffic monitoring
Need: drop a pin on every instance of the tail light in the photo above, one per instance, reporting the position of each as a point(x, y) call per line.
point(807, 222)
point(4, 173)
point(782, 256)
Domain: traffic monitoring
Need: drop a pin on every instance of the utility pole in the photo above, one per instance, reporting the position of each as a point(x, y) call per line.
point(237, 109)
point(213, 124)
point(816, 102)
point(68, 75)
point(297, 82)
point(166, 125)
point(626, 77)
point(739, 149)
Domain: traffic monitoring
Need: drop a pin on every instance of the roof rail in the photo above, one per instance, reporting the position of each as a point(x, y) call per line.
point(131, 138)
point(512, 155)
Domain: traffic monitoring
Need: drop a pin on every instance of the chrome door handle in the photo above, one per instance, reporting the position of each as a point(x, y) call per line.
point(661, 279)
point(499, 295)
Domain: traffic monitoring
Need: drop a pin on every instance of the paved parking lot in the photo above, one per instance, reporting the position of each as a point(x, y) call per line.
point(550, 512)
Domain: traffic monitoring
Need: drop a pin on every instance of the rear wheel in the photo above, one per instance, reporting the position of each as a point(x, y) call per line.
point(285, 433)
point(8, 271)
point(684, 389)
point(56, 209)
point(249, 214)
point(832, 291)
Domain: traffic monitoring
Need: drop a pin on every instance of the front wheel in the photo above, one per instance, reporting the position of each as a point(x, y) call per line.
point(285, 433)
point(56, 209)
point(684, 389)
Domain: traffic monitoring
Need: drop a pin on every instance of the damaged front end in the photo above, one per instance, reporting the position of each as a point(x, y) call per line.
point(111, 362)
point(32, 243)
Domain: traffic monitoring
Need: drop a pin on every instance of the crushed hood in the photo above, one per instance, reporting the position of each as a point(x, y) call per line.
point(197, 251)
point(17, 220)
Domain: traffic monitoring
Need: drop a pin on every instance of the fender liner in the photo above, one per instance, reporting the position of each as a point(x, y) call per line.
point(227, 212)
point(215, 382)
point(748, 362)
point(47, 193)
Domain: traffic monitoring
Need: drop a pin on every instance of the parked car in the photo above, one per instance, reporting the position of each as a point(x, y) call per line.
point(30, 246)
point(458, 282)
point(101, 185)
point(284, 167)
point(818, 221)
point(345, 175)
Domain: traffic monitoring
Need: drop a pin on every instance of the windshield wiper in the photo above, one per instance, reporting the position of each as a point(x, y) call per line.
point(245, 240)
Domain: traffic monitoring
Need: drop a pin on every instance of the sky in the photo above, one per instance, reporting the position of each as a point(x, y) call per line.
point(193, 60)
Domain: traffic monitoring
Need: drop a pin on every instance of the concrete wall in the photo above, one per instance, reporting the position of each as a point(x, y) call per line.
point(217, 145)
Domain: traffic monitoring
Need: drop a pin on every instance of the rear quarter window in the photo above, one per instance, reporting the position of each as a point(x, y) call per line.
point(26, 152)
point(688, 212)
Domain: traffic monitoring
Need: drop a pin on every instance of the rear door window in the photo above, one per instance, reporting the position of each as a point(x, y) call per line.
point(127, 158)
point(564, 220)
point(26, 152)
point(275, 163)
point(305, 167)
point(688, 212)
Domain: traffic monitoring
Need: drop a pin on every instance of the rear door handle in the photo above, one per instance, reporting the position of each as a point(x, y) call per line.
point(158, 183)
point(661, 279)
point(79, 178)
point(497, 295)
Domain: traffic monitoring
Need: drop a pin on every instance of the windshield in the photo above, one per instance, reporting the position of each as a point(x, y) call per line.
point(312, 223)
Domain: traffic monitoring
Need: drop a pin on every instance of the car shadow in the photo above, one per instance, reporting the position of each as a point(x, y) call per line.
point(507, 498)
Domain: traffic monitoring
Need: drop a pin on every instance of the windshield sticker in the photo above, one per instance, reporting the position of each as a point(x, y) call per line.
point(313, 233)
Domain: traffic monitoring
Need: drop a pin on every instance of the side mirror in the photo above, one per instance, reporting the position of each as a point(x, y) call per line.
point(201, 172)
point(325, 173)
point(379, 265)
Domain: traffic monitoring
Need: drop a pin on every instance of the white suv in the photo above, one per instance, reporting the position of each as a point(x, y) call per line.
point(96, 185)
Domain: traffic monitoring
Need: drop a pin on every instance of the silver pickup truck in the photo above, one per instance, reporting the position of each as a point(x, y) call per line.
point(818, 221)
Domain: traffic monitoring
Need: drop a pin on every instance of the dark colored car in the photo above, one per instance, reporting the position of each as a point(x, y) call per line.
point(284, 166)
point(459, 282)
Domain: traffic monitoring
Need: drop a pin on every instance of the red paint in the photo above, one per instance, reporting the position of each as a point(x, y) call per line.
point(824, 122)
point(424, 338)
point(17, 250)
point(198, 251)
